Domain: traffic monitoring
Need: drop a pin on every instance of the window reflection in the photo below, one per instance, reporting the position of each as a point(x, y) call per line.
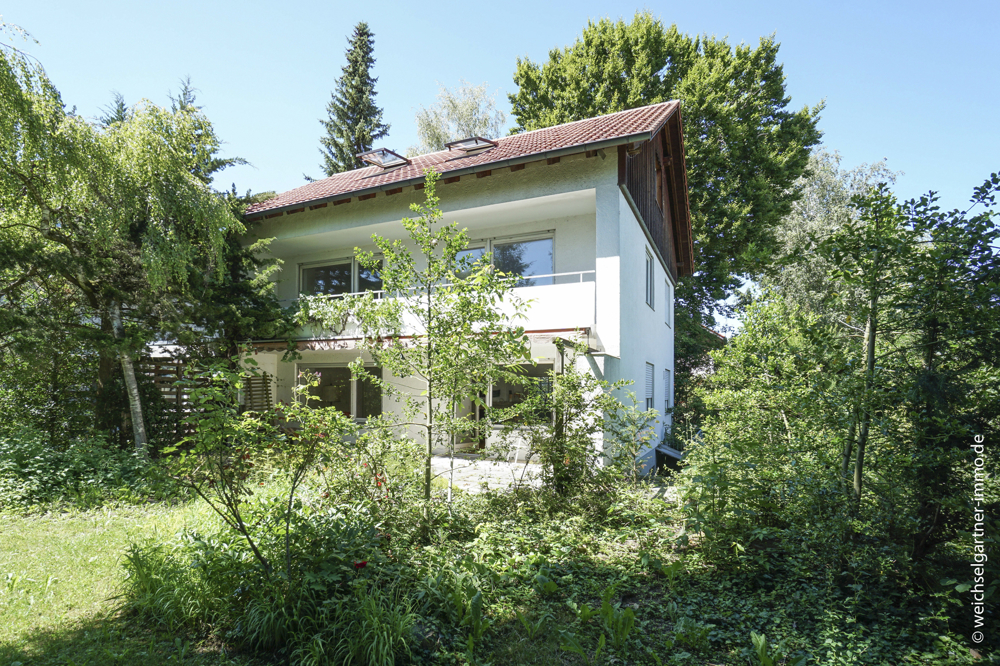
point(534, 378)
point(369, 280)
point(469, 256)
point(358, 399)
point(331, 280)
point(525, 258)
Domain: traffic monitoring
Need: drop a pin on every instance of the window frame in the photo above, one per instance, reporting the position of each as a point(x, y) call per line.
point(650, 385)
point(355, 272)
point(540, 362)
point(305, 366)
point(489, 244)
point(668, 303)
point(650, 280)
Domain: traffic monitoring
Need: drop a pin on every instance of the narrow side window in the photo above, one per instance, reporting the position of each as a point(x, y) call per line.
point(649, 280)
point(649, 385)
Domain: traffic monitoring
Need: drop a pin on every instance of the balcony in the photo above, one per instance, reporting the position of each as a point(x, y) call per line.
point(557, 302)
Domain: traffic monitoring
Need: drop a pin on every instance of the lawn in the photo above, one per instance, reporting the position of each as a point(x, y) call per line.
point(59, 574)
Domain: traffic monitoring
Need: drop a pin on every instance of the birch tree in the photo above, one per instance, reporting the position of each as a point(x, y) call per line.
point(115, 213)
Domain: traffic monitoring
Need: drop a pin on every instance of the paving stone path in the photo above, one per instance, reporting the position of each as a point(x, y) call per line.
point(471, 472)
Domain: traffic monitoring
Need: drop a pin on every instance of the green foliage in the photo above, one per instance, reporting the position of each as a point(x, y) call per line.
point(618, 622)
point(825, 206)
point(535, 627)
point(773, 658)
point(102, 224)
point(469, 111)
point(571, 643)
point(219, 459)
point(34, 473)
point(560, 426)
point(354, 122)
point(744, 147)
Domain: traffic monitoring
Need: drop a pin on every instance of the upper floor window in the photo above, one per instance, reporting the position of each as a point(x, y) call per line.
point(649, 279)
point(527, 257)
point(339, 277)
point(668, 303)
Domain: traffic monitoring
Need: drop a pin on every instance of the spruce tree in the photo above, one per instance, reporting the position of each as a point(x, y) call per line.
point(353, 121)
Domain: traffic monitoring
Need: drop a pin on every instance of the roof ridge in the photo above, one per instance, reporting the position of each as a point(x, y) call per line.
point(592, 118)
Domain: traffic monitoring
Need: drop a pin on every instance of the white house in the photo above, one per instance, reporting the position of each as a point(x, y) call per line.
point(597, 211)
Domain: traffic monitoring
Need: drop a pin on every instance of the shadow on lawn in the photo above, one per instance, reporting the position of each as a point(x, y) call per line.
point(117, 639)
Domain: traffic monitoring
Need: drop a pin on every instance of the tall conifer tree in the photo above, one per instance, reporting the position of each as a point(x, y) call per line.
point(353, 121)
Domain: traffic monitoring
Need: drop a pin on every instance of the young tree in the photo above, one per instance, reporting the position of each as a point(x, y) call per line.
point(353, 121)
point(868, 255)
point(930, 282)
point(745, 148)
point(442, 323)
point(468, 111)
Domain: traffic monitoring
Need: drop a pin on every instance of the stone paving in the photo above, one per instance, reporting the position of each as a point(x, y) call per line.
point(471, 472)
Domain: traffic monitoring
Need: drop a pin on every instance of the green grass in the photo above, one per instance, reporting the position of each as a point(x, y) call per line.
point(59, 574)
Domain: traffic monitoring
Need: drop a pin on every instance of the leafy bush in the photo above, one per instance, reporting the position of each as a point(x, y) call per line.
point(87, 472)
point(333, 605)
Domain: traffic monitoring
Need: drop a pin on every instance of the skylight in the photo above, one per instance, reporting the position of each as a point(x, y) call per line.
point(470, 144)
point(383, 157)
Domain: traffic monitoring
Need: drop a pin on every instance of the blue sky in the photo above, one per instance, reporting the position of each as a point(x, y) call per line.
point(913, 82)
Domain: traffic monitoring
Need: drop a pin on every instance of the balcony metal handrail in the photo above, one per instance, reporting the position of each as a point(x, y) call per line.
point(381, 292)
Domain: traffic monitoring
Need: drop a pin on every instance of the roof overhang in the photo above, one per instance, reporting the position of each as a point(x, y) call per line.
point(488, 166)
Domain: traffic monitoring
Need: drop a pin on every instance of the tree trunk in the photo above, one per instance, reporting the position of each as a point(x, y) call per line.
point(131, 386)
point(106, 413)
point(871, 330)
point(852, 431)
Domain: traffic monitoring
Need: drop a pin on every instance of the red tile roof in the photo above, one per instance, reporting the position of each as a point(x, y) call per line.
point(590, 134)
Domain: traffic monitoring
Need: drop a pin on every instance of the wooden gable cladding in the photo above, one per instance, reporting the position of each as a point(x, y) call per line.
point(653, 177)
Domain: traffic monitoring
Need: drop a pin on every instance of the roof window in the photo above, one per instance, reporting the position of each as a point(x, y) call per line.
point(472, 144)
point(383, 157)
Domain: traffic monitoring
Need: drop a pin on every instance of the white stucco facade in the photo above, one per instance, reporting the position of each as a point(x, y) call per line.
point(599, 254)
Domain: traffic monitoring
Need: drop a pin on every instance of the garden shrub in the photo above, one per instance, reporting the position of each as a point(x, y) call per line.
point(87, 472)
point(336, 597)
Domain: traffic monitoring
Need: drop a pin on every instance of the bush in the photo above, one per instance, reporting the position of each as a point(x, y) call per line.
point(87, 472)
point(338, 601)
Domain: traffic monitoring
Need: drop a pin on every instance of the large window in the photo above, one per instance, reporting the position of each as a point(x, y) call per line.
point(535, 378)
point(359, 399)
point(337, 277)
point(528, 257)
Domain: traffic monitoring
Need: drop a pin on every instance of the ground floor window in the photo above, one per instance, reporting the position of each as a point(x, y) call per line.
point(507, 394)
point(357, 398)
point(649, 385)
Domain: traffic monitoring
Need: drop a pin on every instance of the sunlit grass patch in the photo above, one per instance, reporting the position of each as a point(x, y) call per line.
point(59, 573)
